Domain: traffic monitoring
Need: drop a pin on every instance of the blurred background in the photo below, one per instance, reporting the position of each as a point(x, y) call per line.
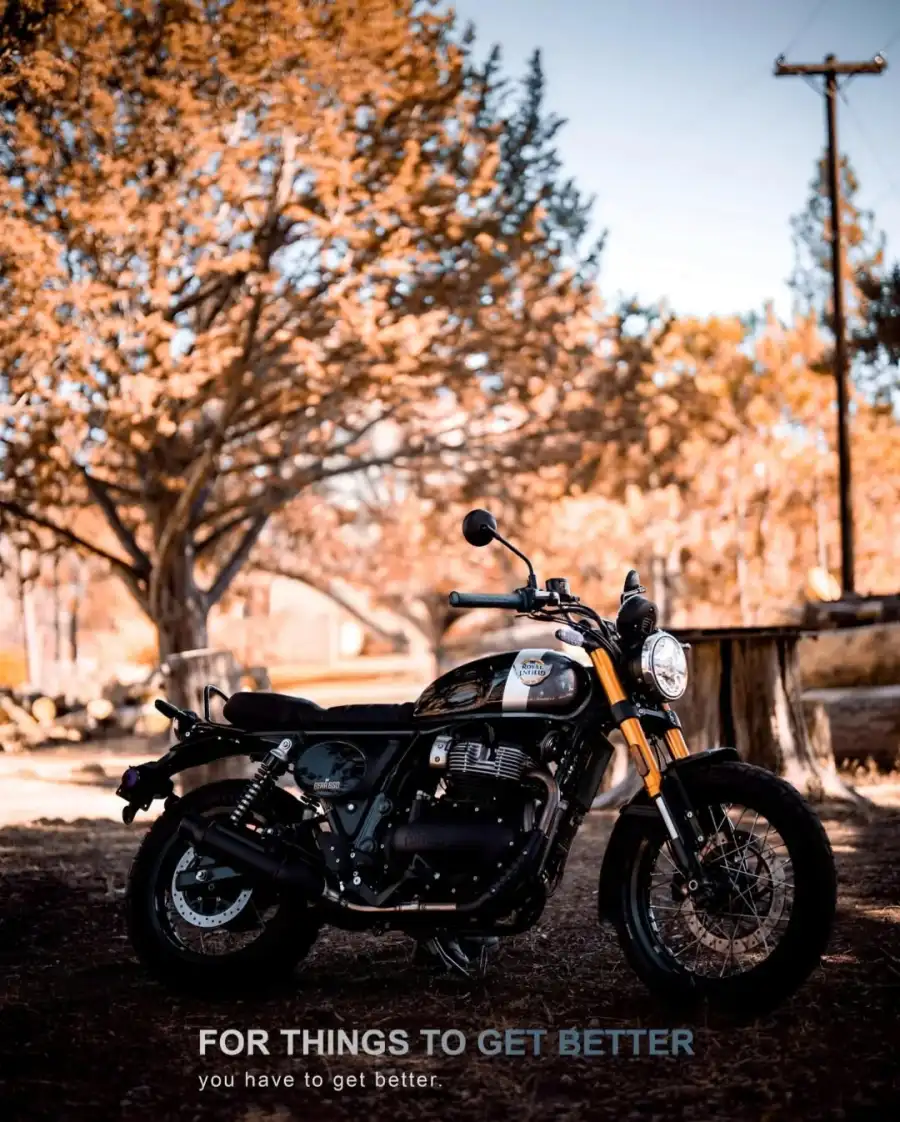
point(285, 289)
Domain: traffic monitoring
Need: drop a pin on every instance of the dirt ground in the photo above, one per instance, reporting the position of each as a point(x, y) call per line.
point(84, 1035)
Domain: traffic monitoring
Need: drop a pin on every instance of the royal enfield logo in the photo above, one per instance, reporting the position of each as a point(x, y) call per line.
point(532, 671)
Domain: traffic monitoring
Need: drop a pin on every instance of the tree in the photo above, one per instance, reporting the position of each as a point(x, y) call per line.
point(863, 246)
point(867, 289)
point(250, 248)
point(877, 340)
point(392, 554)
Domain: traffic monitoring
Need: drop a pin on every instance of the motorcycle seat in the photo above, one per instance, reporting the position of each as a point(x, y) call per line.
point(261, 711)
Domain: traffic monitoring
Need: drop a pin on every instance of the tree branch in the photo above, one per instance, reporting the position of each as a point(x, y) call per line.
point(122, 567)
point(398, 639)
point(220, 531)
point(123, 534)
point(241, 552)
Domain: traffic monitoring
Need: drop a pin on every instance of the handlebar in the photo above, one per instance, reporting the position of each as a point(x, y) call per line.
point(514, 600)
point(524, 600)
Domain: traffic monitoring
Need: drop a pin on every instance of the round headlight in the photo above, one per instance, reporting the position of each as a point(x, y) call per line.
point(664, 665)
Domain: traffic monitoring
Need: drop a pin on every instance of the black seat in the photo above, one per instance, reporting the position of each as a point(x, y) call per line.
point(278, 712)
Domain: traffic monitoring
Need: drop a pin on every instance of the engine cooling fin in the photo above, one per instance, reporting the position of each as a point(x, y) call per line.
point(477, 758)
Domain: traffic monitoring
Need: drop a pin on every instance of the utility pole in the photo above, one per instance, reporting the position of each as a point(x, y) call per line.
point(830, 69)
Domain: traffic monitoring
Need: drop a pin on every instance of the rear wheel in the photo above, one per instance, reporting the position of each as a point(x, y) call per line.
point(197, 925)
point(763, 924)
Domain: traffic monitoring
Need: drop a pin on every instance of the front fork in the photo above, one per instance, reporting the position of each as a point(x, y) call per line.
point(684, 848)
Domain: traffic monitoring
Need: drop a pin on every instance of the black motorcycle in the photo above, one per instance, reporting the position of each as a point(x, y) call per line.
point(451, 819)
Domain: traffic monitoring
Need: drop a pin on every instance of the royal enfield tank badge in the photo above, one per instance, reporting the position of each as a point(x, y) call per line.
point(532, 671)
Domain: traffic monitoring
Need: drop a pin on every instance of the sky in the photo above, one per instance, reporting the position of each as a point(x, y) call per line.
point(697, 155)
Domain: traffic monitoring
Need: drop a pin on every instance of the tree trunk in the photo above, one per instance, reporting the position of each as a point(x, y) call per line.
point(57, 615)
point(77, 592)
point(188, 665)
point(745, 692)
point(26, 576)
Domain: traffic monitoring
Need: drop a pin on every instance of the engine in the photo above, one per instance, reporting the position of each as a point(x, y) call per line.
point(466, 832)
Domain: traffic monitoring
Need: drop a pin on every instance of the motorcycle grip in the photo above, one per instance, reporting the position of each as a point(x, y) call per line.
point(486, 600)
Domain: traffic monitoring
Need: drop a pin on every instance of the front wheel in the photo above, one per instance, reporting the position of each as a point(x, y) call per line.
point(199, 926)
point(763, 922)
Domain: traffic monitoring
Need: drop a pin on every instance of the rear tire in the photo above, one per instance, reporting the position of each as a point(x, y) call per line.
point(809, 919)
point(285, 940)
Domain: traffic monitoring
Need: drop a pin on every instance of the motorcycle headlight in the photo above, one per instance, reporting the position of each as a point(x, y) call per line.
point(664, 665)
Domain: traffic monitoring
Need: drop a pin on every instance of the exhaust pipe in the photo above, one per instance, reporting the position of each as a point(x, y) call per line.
point(218, 840)
point(215, 839)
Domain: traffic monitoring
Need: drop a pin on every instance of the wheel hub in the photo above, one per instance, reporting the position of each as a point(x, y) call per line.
point(203, 906)
point(745, 898)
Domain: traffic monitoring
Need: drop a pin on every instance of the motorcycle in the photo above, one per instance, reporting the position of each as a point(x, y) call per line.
point(451, 819)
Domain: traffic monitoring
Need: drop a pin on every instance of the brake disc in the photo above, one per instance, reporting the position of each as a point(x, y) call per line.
point(766, 868)
point(186, 903)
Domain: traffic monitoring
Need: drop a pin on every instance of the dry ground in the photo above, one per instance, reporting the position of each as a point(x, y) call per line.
point(84, 1035)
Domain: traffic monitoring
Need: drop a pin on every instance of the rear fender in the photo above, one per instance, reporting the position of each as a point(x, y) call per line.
point(639, 807)
point(142, 784)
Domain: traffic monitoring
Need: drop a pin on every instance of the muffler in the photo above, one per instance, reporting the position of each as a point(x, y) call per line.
point(487, 842)
point(215, 839)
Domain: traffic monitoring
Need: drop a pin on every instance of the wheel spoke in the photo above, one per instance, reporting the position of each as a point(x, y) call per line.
point(743, 919)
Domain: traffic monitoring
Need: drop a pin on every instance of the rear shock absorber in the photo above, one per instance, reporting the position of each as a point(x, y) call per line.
point(267, 775)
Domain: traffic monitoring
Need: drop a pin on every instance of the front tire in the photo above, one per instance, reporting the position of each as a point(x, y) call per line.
point(166, 924)
point(768, 925)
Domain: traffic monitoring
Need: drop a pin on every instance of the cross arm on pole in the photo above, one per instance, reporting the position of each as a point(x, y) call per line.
point(829, 66)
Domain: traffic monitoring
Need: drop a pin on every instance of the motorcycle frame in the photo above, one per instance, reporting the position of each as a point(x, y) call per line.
point(587, 756)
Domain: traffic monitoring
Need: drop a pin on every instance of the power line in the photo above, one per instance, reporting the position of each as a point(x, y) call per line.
point(814, 15)
point(749, 82)
point(863, 132)
point(893, 39)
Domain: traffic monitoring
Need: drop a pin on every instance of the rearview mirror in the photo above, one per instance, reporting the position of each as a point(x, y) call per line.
point(479, 527)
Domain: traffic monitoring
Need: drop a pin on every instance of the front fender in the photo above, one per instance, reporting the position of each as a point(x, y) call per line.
point(641, 806)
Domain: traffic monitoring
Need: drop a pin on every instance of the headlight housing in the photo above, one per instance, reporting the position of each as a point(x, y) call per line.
point(664, 665)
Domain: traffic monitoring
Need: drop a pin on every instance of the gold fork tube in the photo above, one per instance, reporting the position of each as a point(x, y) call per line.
point(635, 738)
point(675, 741)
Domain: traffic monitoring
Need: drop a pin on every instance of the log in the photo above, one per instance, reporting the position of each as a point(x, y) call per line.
point(27, 727)
point(852, 656)
point(44, 710)
point(864, 723)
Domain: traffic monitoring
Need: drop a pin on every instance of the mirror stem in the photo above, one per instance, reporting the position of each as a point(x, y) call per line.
point(532, 579)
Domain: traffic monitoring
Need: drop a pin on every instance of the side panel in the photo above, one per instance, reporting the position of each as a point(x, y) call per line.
point(331, 769)
point(533, 681)
point(343, 766)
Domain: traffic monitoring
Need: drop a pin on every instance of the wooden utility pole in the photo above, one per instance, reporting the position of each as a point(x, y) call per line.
point(830, 69)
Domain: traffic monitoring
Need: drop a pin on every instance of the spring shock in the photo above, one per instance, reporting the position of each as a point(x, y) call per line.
point(268, 773)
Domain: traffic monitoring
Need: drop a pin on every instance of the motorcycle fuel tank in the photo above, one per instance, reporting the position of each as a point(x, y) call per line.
point(528, 681)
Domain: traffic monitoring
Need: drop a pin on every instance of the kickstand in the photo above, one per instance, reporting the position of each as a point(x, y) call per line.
point(451, 954)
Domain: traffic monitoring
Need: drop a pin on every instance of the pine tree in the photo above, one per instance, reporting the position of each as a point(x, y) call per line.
point(863, 248)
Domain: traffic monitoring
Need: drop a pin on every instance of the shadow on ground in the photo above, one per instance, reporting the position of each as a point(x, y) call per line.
point(84, 1035)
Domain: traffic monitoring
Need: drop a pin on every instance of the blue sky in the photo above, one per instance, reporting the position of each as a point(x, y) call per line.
point(697, 154)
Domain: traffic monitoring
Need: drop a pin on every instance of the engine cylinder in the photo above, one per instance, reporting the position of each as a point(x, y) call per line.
point(481, 760)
